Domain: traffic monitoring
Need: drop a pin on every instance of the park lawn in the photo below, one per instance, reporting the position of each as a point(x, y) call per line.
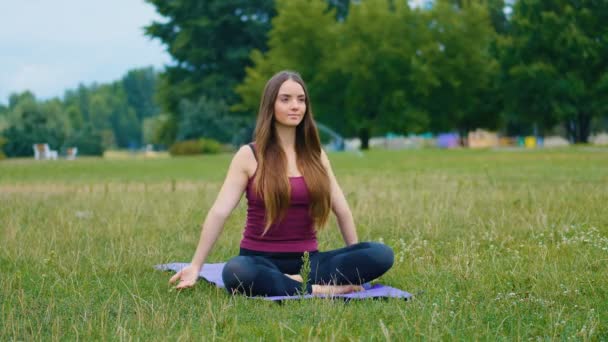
point(494, 244)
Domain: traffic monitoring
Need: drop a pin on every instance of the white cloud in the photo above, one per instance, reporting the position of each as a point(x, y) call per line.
point(50, 46)
point(45, 77)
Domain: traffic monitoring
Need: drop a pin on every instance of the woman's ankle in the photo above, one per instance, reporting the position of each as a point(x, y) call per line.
point(335, 289)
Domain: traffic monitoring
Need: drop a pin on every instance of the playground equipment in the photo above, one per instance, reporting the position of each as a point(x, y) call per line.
point(337, 141)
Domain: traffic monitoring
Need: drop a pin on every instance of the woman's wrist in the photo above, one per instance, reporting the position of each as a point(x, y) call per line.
point(196, 265)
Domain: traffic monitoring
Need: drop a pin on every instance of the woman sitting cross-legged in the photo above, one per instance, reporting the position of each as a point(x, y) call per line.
point(290, 189)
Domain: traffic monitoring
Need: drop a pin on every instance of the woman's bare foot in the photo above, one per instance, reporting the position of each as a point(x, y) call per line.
point(328, 289)
point(335, 289)
point(295, 277)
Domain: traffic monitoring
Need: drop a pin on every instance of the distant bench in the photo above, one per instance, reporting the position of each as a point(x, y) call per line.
point(44, 152)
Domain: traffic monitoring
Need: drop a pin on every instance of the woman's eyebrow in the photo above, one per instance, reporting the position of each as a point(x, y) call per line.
point(289, 95)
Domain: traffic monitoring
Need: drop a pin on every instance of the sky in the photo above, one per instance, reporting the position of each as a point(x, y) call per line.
point(49, 46)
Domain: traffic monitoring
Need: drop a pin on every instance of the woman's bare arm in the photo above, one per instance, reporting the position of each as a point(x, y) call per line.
point(227, 199)
point(339, 206)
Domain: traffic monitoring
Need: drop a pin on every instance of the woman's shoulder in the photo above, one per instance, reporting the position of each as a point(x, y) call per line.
point(245, 159)
point(324, 158)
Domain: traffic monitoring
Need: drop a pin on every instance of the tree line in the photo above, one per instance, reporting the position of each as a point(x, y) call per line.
point(372, 67)
point(120, 114)
point(380, 65)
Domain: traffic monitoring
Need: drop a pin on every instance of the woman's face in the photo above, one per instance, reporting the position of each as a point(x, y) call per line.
point(290, 105)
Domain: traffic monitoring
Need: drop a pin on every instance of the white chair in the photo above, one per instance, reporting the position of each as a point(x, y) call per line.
point(44, 152)
point(41, 151)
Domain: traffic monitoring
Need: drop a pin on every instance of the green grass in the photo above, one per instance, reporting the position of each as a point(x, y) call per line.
point(495, 245)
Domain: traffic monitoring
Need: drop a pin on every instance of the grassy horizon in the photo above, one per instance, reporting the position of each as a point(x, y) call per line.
point(493, 244)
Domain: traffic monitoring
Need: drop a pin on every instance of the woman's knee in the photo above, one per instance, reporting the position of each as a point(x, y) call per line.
point(238, 273)
point(382, 254)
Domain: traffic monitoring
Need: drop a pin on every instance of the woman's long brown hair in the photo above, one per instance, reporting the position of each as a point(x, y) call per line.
point(271, 180)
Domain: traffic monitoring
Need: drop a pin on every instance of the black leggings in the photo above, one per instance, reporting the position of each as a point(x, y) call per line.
point(263, 274)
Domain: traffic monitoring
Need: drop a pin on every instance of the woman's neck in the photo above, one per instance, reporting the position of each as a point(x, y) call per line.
point(287, 137)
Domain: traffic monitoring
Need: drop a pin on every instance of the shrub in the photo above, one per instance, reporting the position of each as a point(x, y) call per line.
point(210, 146)
point(3, 141)
point(192, 147)
point(186, 147)
point(89, 142)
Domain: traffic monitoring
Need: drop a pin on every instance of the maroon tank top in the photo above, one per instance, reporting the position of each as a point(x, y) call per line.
point(295, 233)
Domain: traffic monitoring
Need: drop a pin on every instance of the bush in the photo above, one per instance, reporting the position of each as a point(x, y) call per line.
point(88, 141)
point(192, 147)
point(2, 143)
point(184, 148)
point(210, 146)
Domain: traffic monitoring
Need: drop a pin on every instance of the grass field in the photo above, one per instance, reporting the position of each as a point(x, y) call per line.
point(494, 244)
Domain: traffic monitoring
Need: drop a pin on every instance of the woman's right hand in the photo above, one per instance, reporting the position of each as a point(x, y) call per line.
point(187, 277)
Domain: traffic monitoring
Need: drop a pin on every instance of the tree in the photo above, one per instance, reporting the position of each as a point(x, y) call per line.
point(341, 8)
point(140, 86)
point(210, 41)
point(88, 139)
point(3, 117)
point(91, 118)
point(466, 71)
point(498, 18)
point(496, 11)
point(30, 122)
point(111, 114)
point(381, 71)
point(357, 69)
point(554, 64)
point(303, 26)
point(151, 128)
point(208, 119)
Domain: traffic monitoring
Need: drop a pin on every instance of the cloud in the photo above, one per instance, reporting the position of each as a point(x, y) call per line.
point(46, 78)
point(50, 46)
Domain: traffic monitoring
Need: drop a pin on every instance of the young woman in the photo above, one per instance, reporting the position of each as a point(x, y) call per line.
point(290, 189)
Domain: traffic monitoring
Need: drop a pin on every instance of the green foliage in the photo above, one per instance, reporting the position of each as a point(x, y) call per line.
point(340, 7)
point(91, 118)
point(117, 110)
point(3, 117)
point(31, 122)
point(151, 129)
point(140, 88)
point(463, 65)
point(110, 112)
point(377, 60)
point(207, 118)
point(305, 272)
point(210, 146)
point(88, 140)
point(186, 147)
point(3, 142)
point(554, 64)
point(385, 67)
point(195, 146)
point(314, 28)
point(210, 41)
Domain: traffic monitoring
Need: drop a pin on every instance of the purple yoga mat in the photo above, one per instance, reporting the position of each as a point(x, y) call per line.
point(213, 274)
